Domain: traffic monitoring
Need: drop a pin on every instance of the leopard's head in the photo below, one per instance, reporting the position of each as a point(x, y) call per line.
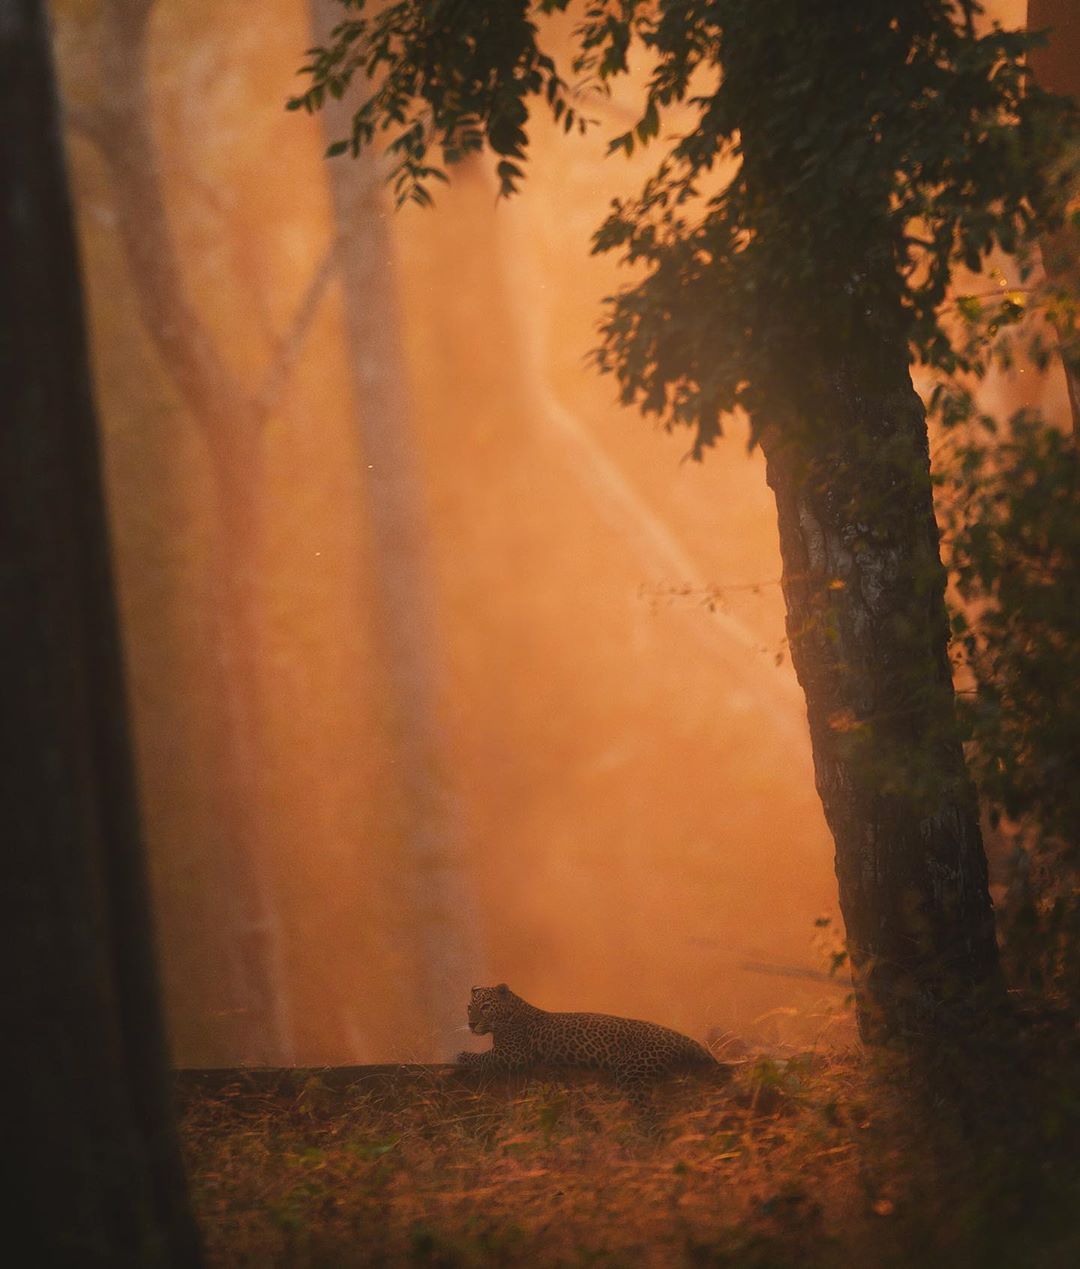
point(490, 1006)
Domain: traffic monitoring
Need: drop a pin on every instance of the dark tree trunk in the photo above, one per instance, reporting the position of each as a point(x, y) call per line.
point(94, 1172)
point(845, 442)
point(864, 588)
point(1057, 68)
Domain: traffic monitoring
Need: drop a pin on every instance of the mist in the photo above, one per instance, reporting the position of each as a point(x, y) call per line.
point(446, 669)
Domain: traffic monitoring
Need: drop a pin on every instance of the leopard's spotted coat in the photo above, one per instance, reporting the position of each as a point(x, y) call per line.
point(524, 1036)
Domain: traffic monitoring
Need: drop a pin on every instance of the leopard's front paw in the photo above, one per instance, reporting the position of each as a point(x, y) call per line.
point(468, 1059)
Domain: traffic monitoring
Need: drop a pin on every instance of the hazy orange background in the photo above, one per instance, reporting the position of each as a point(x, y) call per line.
point(629, 767)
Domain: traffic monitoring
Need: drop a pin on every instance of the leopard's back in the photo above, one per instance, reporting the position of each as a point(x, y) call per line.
point(604, 1042)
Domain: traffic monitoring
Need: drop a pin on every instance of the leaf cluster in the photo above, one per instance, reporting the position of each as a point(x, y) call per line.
point(454, 75)
point(1009, 502)
point(1013, 535)
point(824, 177)
point(873, 154)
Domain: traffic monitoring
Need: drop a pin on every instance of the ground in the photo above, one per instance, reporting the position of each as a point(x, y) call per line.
point(839, 1160)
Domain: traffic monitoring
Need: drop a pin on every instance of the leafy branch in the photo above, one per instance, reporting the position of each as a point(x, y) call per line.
point(447, 74)
point(782, 227)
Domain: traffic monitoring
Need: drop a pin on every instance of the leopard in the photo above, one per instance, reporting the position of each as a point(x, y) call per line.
point(635, 1053)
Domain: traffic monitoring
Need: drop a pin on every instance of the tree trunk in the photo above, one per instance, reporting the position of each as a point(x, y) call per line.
point(864, 588)
point(261, 1024)
point(406, 610)
point(94, 1175)
point(231, 420)
point(1057, 68)
point(847, 457)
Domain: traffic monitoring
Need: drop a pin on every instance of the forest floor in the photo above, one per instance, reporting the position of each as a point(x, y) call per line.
point(834, 1160)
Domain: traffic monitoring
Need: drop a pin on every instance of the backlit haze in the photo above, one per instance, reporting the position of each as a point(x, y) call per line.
point(522, 709)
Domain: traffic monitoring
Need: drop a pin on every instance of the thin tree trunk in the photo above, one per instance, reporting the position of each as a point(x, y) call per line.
point(442, 895)
point(867, 626)
point(231, 421)
point(262, 1028)
point(95, 1175)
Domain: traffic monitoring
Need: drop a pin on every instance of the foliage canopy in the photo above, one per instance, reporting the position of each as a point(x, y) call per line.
point(822, 180)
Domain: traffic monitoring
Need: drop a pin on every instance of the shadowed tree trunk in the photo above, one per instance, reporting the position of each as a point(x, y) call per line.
point(1057, 68)
point(442, 899)
point(867, 626)
point(847, 458)
point(94, 1170)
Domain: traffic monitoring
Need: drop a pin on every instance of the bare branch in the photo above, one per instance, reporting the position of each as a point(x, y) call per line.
point(290, 345)
point(223, 408)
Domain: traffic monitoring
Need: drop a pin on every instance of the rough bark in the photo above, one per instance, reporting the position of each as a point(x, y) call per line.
point(405, 603)
point(847, 457)
point(231, 420)
point(864, 588)
point(94, 1174)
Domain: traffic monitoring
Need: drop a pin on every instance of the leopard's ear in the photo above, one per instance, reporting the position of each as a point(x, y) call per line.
point(503, 990)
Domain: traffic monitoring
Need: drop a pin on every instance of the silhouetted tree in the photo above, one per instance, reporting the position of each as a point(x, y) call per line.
point(93, 1171)
point(873, 149)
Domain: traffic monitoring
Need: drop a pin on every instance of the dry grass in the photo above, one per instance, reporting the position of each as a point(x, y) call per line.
point(813, 1162)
